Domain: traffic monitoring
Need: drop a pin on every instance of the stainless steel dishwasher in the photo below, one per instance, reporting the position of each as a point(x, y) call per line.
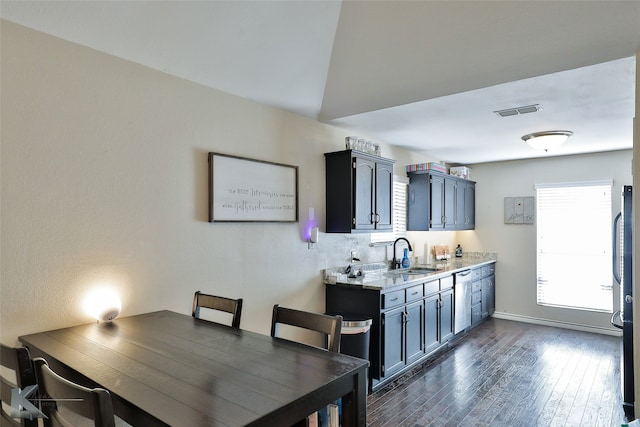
point(462, 306)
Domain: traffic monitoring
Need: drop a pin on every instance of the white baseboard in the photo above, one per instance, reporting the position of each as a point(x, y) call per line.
point(558, 324)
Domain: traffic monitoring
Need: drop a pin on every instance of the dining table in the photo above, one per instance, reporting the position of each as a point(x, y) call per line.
point(166, 368)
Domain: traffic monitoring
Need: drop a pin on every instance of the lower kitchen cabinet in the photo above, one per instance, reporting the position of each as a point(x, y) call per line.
point(414, 345)
point(431, 329)
point(410, 323)
point(446, 315)
point(393, 355)
point(402, 335)
point(438, 320)
point(488, 305)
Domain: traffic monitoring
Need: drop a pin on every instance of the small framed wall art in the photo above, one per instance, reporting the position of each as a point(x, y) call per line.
point(519, 210)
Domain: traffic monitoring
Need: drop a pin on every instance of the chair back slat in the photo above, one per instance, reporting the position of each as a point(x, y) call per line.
point(214, 302)
point(330, 326)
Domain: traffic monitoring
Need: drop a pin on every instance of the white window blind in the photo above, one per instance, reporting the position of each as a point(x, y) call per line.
point(400, 185)
point(574, 245)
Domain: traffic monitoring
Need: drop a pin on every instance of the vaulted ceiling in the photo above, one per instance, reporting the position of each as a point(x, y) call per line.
point(424, 75)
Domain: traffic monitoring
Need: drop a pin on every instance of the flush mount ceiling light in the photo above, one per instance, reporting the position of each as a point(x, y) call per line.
point(547, 140)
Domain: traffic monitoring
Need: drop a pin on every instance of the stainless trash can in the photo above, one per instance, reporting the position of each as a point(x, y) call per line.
point(354, 339)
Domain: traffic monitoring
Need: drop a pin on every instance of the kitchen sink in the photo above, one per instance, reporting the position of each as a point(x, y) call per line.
point(425, 269)
point(415, 270)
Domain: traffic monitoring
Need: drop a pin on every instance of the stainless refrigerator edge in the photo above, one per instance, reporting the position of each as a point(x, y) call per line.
point(622, 272)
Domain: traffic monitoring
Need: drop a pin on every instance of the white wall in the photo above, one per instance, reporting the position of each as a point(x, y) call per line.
point(516, 244)
point(105, 181)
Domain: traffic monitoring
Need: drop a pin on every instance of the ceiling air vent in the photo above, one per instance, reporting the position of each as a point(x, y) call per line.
point(519, 110)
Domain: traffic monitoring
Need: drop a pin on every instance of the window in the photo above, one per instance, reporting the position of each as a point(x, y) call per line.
point(400, 185)
point(574, 245)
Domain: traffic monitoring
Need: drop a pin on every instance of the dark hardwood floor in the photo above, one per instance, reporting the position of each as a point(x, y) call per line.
point(508, 373)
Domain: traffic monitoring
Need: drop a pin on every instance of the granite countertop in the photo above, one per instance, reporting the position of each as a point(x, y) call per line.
point(376, 276)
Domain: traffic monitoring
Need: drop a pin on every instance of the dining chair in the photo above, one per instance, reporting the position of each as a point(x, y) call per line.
point(18, 361)
point(228, 305)
point(330, 326)
point(66, 403)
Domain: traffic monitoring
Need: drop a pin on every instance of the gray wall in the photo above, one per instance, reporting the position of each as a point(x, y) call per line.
point(516, 244)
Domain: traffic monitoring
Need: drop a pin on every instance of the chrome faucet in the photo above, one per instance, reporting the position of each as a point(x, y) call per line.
point(395, 263)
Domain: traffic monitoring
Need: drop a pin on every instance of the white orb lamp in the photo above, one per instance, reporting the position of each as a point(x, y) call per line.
point(103, 304)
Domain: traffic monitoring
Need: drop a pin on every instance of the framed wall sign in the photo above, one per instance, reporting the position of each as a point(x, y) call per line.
point(246, 190)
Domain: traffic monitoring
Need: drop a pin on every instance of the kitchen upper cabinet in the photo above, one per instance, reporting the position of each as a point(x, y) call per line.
point(359, 192)
point(440, 202)
point(449, 207)
point(465, 205)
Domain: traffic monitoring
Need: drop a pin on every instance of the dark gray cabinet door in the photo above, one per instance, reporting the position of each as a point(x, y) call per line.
point(446, 315)
point(437, 192)
point(418, 202)
point(431, 314)
point(461, 192)
point(465, 205)
point(449, 203)
point(413, 329)
point(364, 200)
point(491, 295)
point(384, 196)
point(470, 206)
point(393, 341)
point(476, 313)
point(488, 296)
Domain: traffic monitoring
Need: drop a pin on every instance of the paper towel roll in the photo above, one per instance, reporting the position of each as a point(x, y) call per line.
point(427, 253)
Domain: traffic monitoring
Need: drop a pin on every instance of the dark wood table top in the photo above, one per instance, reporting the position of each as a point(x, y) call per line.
point(166, 368)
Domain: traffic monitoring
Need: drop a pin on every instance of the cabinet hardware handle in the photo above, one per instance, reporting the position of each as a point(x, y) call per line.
point(414, 293)
point(394, 299)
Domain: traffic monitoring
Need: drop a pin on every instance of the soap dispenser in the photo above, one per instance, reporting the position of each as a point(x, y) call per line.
point(405, 259)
